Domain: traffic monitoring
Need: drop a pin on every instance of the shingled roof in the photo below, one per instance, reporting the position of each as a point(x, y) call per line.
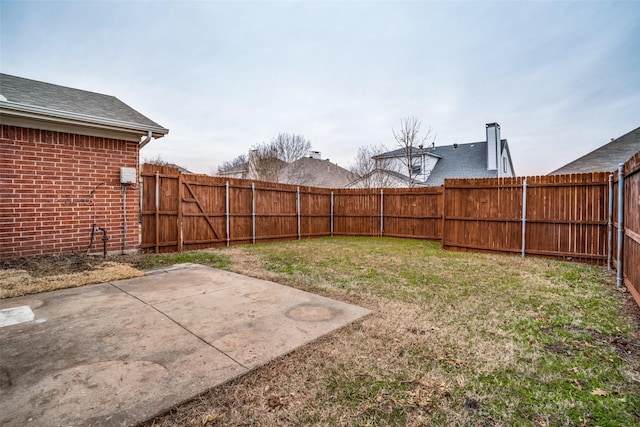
point(454, 161)
point(460, 161)
point(316, 173)
point(605, 158)
point(26, 98)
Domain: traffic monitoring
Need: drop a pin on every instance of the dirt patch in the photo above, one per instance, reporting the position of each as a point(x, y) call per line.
point(558, 349)
point(25, 276)
point(53, 265)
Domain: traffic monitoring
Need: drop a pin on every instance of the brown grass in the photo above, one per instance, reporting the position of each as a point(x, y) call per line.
point(15, 282)
point(23, 276)
point(454, 339)
point(419, 359)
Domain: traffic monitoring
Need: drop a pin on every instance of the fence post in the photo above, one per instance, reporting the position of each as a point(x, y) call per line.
point(253, 213)
point(381, 212)
point(226, 210)
point(619, 275)
point(524, 216)
point(331, 216)
point(180, 230)
point(610, 224)
point(444, 211)
point(157, 213)
point(298, 209)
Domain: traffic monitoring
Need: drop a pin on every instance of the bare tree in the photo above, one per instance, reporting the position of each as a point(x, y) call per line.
point(266, 161)
point(230, 164)
point(269, 159)
point(407, 137)
point(290, 147)
point(157, 160)
point(372, 171)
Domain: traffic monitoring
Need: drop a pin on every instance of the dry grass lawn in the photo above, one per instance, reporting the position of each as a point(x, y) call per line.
point(455, 339)
point(16, 282)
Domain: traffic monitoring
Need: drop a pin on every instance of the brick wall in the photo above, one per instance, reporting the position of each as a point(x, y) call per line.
point(54, 186)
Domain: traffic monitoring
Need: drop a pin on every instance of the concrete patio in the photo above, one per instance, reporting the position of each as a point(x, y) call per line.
point(122, 352)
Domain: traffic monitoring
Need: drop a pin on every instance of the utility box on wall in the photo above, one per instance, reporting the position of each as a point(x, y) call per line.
point(128, 175)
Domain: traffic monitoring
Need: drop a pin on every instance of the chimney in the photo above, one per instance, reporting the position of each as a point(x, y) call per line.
point(314, 155)
point(493, 145)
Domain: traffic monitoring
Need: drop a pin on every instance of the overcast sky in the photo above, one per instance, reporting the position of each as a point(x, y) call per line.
point(561, 78)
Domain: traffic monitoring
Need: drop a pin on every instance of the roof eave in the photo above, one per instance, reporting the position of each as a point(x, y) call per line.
point(64, 117)
point(389, 155)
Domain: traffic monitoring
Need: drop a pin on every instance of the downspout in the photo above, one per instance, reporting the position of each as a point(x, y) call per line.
point(139, 180)
point(146, 140)
point(124, 214)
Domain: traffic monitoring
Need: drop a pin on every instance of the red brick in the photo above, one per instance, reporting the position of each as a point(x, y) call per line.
point(57, 172)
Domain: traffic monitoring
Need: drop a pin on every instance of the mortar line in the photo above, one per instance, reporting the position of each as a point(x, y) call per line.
point(180, 325)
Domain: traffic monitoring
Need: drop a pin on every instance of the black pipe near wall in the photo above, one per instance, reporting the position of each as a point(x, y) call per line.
point(105, 239)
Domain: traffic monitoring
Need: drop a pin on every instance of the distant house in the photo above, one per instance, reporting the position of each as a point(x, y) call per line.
point(315, 172)
point(256, 168)
point(240, 171)
point(605, 158)
point(180, 168)
point(68, 169)
point(311, 171)
point(432, 165)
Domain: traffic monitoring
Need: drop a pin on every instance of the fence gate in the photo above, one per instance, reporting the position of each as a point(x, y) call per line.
point(180, 213)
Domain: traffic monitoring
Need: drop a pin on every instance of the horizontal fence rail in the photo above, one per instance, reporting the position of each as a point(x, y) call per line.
point(572, 217)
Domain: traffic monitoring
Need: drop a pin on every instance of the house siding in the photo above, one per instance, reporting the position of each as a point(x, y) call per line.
point(46, 184)
point(504, 165)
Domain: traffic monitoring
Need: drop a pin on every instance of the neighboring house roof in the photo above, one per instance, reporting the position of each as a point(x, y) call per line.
point(54, 106)
point(454, 161)
point(240, 169)
point(265, 169)
point(180, 168)
point(316, 173)
point(461, 161)
point(605, 158)
point(388, 177)
point(400, 152)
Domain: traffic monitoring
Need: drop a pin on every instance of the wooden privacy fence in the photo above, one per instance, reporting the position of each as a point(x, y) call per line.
point(188, 211)
point(564, 216)
point(626, 257)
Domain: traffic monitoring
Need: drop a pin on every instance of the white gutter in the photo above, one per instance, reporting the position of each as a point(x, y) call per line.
point(57, 116)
